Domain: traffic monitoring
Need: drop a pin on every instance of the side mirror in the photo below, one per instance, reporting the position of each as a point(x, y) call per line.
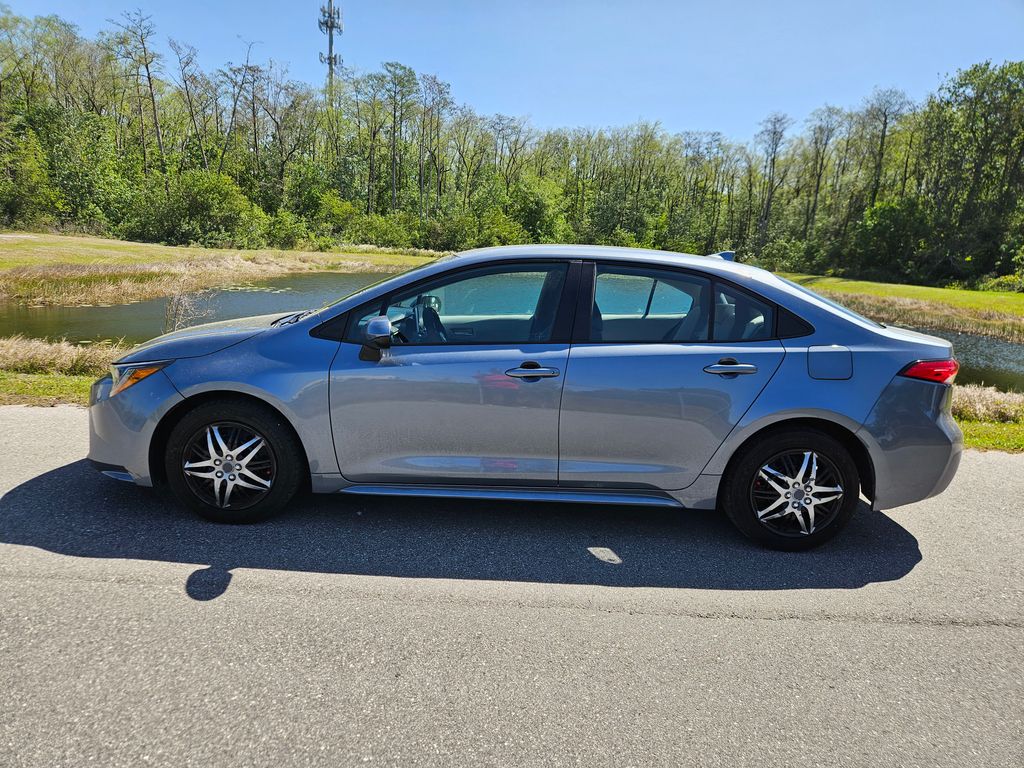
point(378, 337)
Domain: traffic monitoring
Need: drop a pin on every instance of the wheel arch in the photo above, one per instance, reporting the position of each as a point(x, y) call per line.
point(847, 438)
point(158, 442)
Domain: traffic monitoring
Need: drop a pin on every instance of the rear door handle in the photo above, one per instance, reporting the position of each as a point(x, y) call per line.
point(532, 370)
point(729, 367)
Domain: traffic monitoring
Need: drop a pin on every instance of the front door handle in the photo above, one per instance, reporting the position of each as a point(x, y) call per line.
point(532, 370)
point(729, 367)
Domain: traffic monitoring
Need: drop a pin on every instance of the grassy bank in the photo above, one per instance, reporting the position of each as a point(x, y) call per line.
point(999, 314)
point(67, 270)
point(35, 372)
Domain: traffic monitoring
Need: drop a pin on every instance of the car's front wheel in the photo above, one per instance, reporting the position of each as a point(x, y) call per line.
point(792, 489)
point(233, 461)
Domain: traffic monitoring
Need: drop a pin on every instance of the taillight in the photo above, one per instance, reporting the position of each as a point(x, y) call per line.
point(939, 371)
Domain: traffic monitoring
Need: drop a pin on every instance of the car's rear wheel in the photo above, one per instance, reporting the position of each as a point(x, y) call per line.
point(792, 489)
point(233, 461)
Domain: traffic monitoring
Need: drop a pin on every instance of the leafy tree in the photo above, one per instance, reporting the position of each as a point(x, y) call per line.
point(27, 194)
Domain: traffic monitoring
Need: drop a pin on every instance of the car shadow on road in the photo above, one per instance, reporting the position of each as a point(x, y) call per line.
point(73, 511)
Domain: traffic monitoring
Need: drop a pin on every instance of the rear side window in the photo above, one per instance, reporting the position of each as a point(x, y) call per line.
point(641, 304)
point(740, 316)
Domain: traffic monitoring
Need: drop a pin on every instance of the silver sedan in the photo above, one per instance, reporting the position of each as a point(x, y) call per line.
point(555, 373)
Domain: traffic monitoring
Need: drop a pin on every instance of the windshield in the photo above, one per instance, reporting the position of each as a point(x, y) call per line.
point(836, 306)
point(388, 277)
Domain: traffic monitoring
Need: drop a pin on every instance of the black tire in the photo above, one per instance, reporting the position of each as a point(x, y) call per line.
point(741, 498)
point(281, 462)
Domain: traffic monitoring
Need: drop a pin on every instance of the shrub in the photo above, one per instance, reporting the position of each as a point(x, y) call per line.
point(394, 229)
point(334, 214)
point(451, 233)
point(286, 230)
point(1014, 282)
point(197, 207)
point(497, 228)
point(622, 237)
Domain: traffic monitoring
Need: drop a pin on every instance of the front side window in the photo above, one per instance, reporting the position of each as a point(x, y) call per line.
point(640, 304)
point(512, 304)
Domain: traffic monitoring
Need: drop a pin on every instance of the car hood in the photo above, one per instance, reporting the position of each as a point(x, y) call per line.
point(200, 340)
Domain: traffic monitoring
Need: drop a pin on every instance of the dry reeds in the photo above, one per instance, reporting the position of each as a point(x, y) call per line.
point(972, 402)
point(19, 354)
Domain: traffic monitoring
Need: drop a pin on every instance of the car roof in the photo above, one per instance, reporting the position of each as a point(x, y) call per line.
point(731, 270)
point(602, 253)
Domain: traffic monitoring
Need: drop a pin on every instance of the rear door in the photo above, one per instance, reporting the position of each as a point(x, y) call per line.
point(664, 364)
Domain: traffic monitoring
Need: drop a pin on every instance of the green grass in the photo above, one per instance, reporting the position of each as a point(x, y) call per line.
point(993, 436)
point(44, 388)
point(999, 314)
point(21, 249)
point(1004, 302)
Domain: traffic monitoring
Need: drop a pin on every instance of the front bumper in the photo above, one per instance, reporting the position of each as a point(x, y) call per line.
point(915, 444)
point(121, 427)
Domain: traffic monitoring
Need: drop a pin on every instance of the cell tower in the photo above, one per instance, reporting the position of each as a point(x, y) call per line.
point(330, 21)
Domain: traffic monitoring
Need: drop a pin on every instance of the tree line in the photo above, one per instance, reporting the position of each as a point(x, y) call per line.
point(109, 136)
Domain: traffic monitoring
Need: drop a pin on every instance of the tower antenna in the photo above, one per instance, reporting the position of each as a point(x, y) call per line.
point(330, 21)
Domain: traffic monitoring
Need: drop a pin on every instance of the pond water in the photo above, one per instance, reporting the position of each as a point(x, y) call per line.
point(145, 319)
point(983, 359)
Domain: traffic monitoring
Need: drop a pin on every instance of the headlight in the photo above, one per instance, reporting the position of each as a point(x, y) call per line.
point(127, 374)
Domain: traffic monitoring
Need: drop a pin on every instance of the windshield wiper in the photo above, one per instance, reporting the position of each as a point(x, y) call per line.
point(294, 317)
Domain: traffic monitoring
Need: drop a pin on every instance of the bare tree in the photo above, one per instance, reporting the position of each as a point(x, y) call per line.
point(186, 68)
point(137, 32)
point(882, 110)
point(401, 91)
point(236, 78)
point(770, 139)
point(823, 125)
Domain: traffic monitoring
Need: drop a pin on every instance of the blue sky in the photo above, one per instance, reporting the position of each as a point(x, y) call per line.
point(715, 65)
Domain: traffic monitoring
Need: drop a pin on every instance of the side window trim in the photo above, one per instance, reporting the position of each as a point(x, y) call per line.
point(584, 302)
point(564, 313)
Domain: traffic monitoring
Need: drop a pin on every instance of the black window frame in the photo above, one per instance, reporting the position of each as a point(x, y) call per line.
point(561, 332)
point(588, 288)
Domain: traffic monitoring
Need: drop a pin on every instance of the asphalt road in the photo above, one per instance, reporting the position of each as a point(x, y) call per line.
point(408, 633)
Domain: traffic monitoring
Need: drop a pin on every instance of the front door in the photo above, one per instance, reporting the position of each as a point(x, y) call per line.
point(668, 363)
point(469, 391)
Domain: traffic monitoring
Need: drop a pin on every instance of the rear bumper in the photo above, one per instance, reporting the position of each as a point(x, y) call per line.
point(915, 445)
point(121, 427)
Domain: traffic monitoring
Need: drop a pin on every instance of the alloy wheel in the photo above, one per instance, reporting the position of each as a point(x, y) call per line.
point(229, 465)
point(796, 493)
